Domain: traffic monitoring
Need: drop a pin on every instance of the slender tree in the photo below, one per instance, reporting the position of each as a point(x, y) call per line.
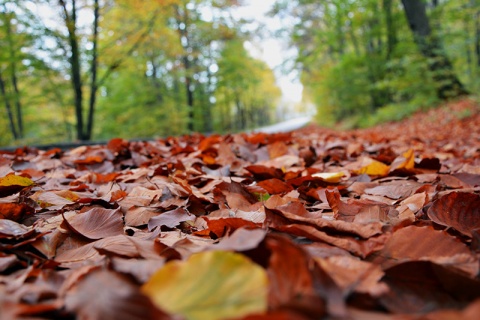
point(76, 60)
point(12, 97)
point(182, 17)
point(8, 108)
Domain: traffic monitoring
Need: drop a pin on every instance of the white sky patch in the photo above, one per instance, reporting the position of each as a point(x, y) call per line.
point(271, 50)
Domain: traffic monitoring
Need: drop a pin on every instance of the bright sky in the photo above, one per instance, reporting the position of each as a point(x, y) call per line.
point(272, 51)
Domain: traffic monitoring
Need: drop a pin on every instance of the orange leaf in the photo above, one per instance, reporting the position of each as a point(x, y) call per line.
point(14, 211)
point(373, 168)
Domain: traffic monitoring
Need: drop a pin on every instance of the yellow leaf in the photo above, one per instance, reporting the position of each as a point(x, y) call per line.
point(409, 161)
point(333, 177)
point(210, 285)
point(13, 180)
point(69, 195)
point(374, 168)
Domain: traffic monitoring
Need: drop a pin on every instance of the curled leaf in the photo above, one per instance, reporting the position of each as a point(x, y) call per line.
point(97, 223)
point(458, 210)
point(373, 168)
point(333, 177)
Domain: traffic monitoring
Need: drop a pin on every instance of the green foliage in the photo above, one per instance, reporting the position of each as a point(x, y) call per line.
point(246, 91)
point(147, 53)
point(358, 61)
point(361, 66)
point(138, 112)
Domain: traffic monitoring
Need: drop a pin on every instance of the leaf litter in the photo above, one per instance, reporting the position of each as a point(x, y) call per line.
point(381, 223)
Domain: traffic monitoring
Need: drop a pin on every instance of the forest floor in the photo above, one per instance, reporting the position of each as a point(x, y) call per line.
point(379, 223)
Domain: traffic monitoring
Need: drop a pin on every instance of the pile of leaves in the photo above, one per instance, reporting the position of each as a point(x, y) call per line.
point(373, 224)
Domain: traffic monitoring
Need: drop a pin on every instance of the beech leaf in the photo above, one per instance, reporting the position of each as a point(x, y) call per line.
point(209, 285)
point(458, 210)
point(332, 177)
point(373, 168)
point(97, 223)
point(13, 180)
point(11, 184)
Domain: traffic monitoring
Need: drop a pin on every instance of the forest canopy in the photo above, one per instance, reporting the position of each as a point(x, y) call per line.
point(77, 70)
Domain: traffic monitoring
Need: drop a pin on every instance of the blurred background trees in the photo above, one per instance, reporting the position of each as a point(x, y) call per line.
point(83, 69)
point(94, 69)
point(367, 61)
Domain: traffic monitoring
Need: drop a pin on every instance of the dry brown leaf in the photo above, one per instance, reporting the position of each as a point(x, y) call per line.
point(458, 210)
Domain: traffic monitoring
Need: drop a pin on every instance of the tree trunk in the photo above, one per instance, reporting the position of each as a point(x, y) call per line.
point(207, 110)
point(340, 34)
point(8, 108)
point(156, 83)
point(189, 90)
point(13, 77)
point(93, 70)
point(75, 69)
point(241, 113)
point(448, 85)
point(391, 31)
point(353, 37)
point(477, 36)
point(184, 39)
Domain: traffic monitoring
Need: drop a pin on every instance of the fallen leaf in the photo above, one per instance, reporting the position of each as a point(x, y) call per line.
point(418, 287)
point(139, 216)
point(405, 161)
point(372, 168)
point(15, 211)
point(209, 285)
point(170, 219)
point(332, 177)
point(224, 226)
point(241, 239)
point(7, 261)
point(424, 243)
point(275, 186)
point(12, 183)
point(395, 189)
point(353, 274)
point(361, 248)
point(97, 223)
point(291, 283)
point(12, 230)
point(14, 180)
point(458, 210)
point(111, 296)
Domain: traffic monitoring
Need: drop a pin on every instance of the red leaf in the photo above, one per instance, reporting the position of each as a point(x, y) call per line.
point(263, 173)
point(14, 211)
point(224, 226)
point(291, 280)
point(275, 186)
